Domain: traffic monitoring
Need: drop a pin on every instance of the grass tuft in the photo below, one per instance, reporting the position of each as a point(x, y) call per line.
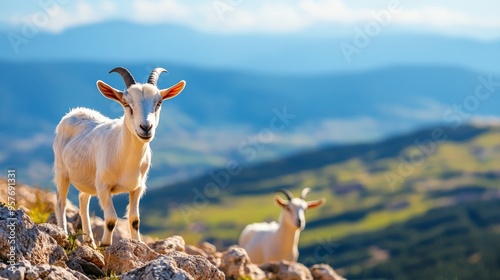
point(73, 240)
point(40, 210)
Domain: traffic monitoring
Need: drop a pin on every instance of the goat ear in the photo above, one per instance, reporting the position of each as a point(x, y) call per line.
point(173, 91)
point(315, 203)
point(280, 201)
point(109, 92)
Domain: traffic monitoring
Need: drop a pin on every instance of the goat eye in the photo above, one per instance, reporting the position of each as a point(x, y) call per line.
point(128, 106)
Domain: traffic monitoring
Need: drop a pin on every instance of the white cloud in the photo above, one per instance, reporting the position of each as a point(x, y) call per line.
point(272, 16)
point(62, 16)
point(275, 17)
point(283, 16)
point(290, 16)
point(333, 130)
point(481, 120)
point(429, 110)
point(329, 11)
point(155, 11)
point(34, 142)
point(346, 130)
point(443, 17)
point(108, 7)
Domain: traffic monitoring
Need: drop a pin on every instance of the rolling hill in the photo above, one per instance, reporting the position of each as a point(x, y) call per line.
point(373, 226)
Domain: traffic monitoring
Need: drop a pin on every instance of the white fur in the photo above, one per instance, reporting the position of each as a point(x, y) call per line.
point(273, 241)
point(102, 157)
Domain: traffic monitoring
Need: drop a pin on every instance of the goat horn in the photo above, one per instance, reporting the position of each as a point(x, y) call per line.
point(153, 78)
point(304, 193)
point(287, 193)
point(127, 77)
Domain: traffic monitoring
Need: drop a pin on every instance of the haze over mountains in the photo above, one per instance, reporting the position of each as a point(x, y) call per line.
point(236, 84)
point(221, 113)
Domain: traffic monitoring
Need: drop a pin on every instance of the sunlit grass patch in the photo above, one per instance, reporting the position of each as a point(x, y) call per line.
point(39, 209)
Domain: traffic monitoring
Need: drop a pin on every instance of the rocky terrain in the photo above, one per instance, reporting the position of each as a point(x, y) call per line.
point(31, 250)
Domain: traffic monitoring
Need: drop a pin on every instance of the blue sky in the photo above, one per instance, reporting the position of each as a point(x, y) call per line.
point(465, 18)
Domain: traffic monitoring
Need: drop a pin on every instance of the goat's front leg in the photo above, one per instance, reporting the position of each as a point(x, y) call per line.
point(133, 213)
point(110, 217)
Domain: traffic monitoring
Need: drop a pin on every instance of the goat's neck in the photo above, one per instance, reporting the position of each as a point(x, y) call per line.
point(134, 147)
point(287, 234)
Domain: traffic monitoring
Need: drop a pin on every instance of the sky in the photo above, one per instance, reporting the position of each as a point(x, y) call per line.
point(462, 18)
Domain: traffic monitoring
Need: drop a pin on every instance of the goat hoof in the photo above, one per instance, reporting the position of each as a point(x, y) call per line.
point(103, 245)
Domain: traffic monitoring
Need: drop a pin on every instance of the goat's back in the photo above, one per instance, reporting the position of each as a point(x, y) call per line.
point(78, 121)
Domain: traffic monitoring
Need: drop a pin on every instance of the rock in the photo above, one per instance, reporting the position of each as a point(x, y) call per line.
point(78, 275)
point(55, 232)
point(215, 259)
point(197, 266)
point(87, 261)
point(85, 267)
point(177, 265)
point(86, 253)
point(191, 250)
point(163, 267)
point(286, 270)
point(25, 270)
point(31, 244)
point(126, 255)
point(236, 264)
point(207, 247)
point(212, 255)
point(173, 243)
point(324, 272)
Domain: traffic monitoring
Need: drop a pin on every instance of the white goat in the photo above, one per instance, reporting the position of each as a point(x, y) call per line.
point(273, 241)
point(102, 156)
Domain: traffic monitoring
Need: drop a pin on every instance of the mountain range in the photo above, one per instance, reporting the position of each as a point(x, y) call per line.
point(301, 53)
point(237, 83)
point(222, 113)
